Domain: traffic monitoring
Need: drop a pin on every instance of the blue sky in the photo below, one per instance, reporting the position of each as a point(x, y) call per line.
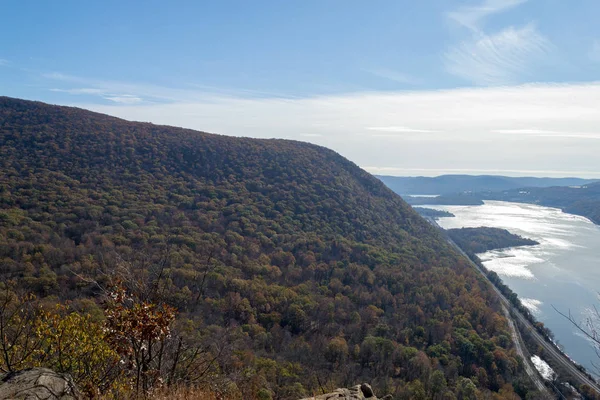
point(400, 87)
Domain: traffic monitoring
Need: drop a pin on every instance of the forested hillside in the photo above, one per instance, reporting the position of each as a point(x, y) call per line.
point(289, 269)
point(432, 212)
point(482, 239)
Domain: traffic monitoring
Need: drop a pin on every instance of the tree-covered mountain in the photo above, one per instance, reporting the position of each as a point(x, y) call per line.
point(294, 270)
point(451, 184)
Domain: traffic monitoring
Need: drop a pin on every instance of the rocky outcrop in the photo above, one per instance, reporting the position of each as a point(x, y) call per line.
point(358, 392)
point(37, 383)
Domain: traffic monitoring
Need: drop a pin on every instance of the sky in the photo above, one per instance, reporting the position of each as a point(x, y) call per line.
point(400, 87)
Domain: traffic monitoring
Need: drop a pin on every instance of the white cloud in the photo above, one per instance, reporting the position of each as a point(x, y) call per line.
point(117, 98)
point(3, 62)
point(594, 53)
point(111, 91)
point(471, 16)
point(124, 99)
point(498, 59)
point(79, 91)
point(501, 58)
point(541, 129)
point(63, 77)
point(148, 92)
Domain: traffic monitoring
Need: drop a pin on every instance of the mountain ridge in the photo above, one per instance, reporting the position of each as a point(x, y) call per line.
point(451, 184)
point(311, 266)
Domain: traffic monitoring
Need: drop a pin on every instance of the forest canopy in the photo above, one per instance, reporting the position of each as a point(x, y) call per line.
point(482, 239)
point(290, 267)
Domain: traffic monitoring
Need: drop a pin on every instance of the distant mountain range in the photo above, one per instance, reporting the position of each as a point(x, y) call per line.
point(572, 195)
point(452, 184)
point(583, 200)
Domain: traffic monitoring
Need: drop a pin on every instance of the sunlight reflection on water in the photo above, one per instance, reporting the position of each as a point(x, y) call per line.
point(552, 228)
point(562, 271)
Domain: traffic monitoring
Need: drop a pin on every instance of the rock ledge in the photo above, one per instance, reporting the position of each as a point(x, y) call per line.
point(37, 383)
point(358, 392)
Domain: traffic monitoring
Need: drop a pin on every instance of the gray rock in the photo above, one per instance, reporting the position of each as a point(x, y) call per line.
point(367, 390)
point(358, 392)
point(36, 384)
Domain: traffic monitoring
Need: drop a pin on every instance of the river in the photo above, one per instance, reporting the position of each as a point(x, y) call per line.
point(562, 271)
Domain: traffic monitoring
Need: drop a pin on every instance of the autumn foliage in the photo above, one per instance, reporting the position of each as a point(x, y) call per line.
point(259, 269)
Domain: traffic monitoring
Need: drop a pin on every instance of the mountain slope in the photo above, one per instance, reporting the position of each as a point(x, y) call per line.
point(451, 184)
point(310, 263)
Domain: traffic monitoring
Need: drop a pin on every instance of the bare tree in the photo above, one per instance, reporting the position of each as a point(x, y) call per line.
point(18, 339)
point(590, 328)
point(157, 348)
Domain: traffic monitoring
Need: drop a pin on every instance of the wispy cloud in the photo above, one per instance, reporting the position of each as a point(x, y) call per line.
point(58, 76)
point(3, 62)
point(529, 109)
point(471, 16)
point(133, 93)
point(79, 91)
point(124, 99)
point(111, 91)
point(594, 53)
point(505, 57)
point(498, 59)
point(393, 75)
point(117, 98)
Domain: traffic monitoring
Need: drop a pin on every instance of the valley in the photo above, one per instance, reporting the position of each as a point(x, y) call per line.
point(299, 200)
point(560, 271)
point(582, 199)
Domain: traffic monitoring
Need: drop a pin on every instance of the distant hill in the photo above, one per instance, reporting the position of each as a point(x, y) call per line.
point(314, 271)
point(432, 213)
point(459, 199)
point(482, 239)
point(583, 200)
point(451, 184)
